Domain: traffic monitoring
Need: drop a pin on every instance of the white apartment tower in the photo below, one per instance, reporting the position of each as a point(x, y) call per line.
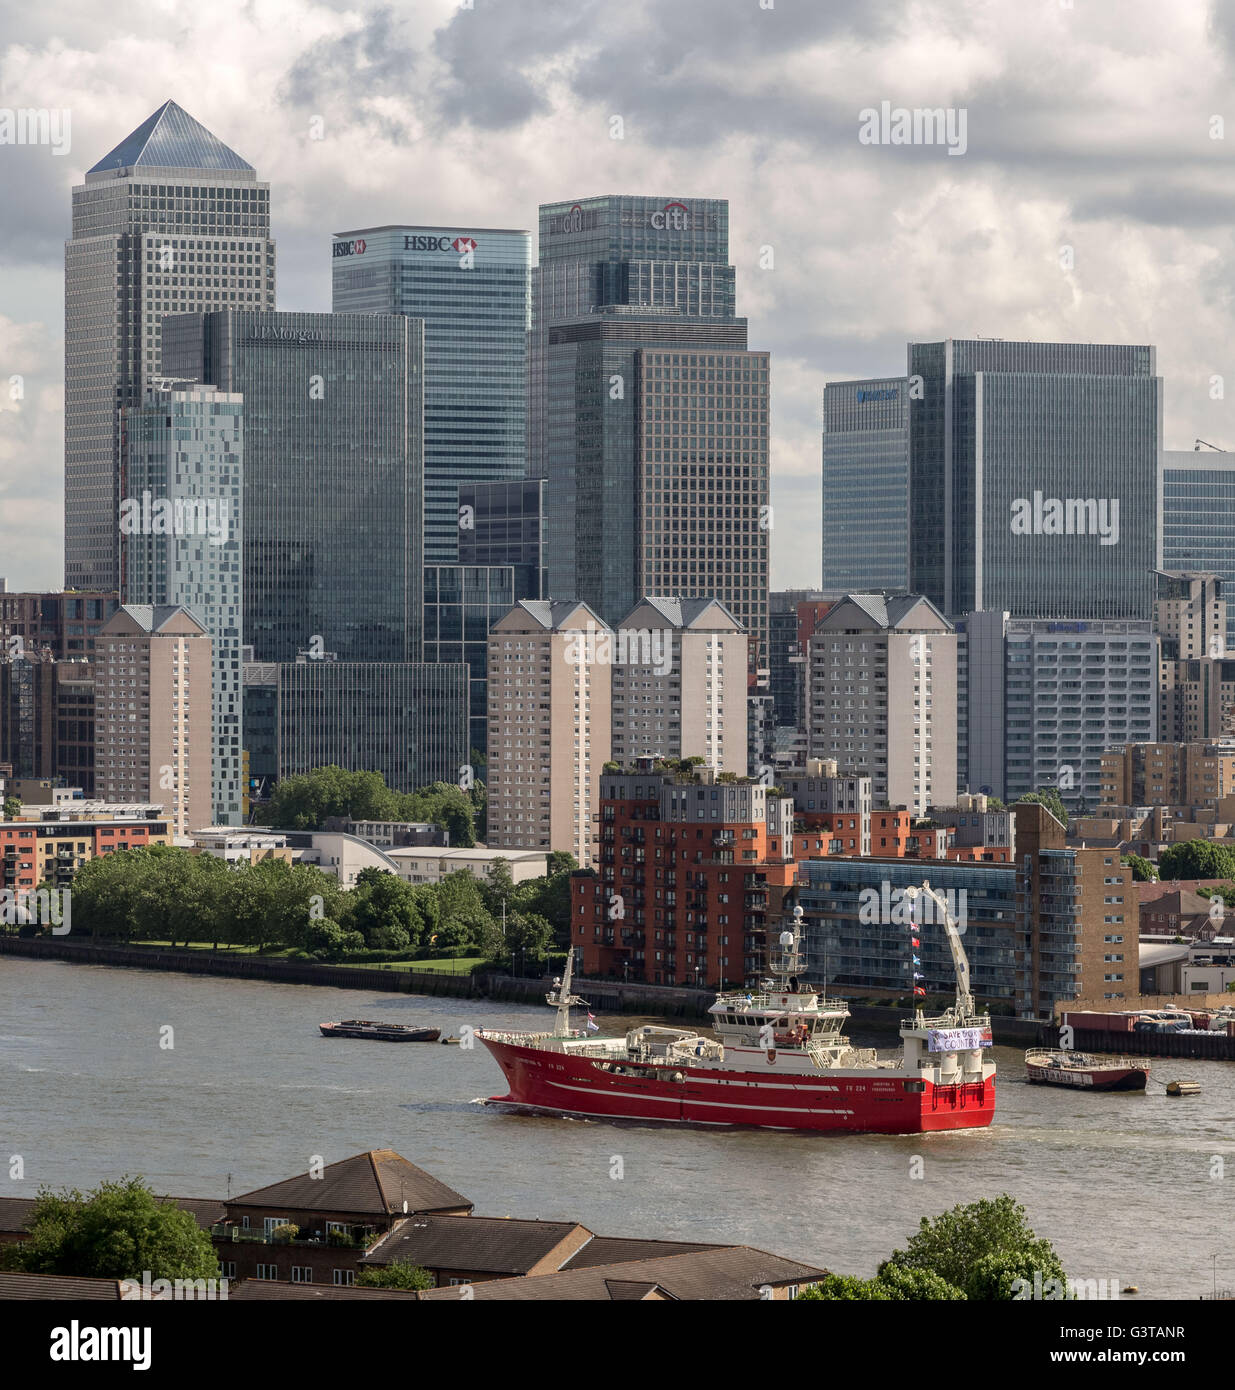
point(679, 683)
point(152, 700)
point(550, 687)
point(882, 683)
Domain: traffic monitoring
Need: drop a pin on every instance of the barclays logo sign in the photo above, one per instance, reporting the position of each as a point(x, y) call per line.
point(880, 395)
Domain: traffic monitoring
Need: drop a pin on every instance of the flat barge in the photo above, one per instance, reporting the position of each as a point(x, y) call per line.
point(379, 1032)
point(1086, 1071)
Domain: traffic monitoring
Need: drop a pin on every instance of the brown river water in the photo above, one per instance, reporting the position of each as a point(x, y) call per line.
point(1134, 1189)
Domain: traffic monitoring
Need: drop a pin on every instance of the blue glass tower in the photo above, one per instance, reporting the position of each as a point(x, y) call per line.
point(471, 288)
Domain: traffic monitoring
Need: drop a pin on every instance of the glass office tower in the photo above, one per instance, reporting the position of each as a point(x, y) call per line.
point(1198, 518)
point(471, 288)
point(181, 544)
point(865, 486)
point(1034, 477)
point(332, 476)
point(462, 602)
point(650, 416)
point(170, 221)
point(506, 524)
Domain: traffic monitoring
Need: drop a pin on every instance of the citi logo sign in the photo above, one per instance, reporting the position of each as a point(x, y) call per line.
point(571, 221)
point(349, 248)
point(1067, 516)
point(462, 244)
point(675, 217)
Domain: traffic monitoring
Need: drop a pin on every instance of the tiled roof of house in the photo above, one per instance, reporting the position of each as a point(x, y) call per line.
point(370, 1184)
point(725, 1274)
point(486, 1244)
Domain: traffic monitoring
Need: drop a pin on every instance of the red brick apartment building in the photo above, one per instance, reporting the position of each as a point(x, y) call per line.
point(51, 851)
point(687, 878)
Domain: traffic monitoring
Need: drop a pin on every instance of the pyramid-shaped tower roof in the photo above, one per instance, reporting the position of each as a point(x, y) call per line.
point(172, 139)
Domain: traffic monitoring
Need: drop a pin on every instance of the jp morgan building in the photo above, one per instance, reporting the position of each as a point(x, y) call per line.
point(332, 479)
point(471, 287)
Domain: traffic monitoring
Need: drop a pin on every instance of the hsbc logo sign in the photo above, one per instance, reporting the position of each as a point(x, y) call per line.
point(674, 217)
point(349, 248)
point(461, 244)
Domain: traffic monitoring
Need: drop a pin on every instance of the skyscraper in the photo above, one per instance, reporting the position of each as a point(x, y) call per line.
point(865, 486)
point(169, 221)
point(1034, 477)
point(332, 474)
point(472, 289)
point(181, 539)
point(1198, 518)
point(650, 417)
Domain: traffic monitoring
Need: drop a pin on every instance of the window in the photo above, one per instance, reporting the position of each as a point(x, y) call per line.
point(267, 1271)
point(344, 1277)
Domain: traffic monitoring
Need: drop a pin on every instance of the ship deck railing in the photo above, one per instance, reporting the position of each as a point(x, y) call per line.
point(749, 999)
point(1043, 1056)
point(948, 1021)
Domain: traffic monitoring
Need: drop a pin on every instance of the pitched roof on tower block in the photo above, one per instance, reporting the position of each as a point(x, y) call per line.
point(170, 138)
point(376, 1183)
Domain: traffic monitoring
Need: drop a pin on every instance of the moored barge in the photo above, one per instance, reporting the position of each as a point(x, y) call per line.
point(380, 1032)
point(1086, 1071)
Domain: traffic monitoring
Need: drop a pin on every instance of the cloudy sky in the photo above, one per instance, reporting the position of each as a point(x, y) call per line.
point(1093, 202)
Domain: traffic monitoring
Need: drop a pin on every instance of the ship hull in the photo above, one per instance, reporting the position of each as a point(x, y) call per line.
point(858, 1101)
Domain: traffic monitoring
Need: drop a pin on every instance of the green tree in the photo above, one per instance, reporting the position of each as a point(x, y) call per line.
point(1050, 798)
point(399, 1274)
point(118, 1231)
point(12, 807)
point(326, 939)
point(1196, 859)
point(1143, 870)
point(954, 1244)
point(848, 1287)
point(891, 1284)
point(385, 911)
point(1005, 1273)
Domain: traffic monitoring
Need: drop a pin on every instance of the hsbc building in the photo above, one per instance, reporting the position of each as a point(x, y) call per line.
point(471, 286)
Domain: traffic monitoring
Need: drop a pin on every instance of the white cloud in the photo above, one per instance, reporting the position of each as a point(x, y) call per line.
point(1087, 126)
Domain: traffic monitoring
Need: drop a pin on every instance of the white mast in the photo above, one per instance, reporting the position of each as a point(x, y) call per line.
point(561, 997)
point(960, 961)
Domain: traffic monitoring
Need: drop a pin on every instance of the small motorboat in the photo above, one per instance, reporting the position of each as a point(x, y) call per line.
point(381, 1032)
point(1086, 1071)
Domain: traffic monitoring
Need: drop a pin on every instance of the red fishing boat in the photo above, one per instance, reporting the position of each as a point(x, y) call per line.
point(779, 1059)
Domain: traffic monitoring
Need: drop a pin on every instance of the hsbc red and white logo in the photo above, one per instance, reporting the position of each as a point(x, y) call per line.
point(349, 248)
point(675, 217)
point(462, 243)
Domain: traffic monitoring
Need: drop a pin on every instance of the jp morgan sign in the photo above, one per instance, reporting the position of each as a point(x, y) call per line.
point(349, 248)
point(288, 335)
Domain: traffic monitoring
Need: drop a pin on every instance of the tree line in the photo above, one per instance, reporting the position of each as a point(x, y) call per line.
point(307, 801)
point(163, 893)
